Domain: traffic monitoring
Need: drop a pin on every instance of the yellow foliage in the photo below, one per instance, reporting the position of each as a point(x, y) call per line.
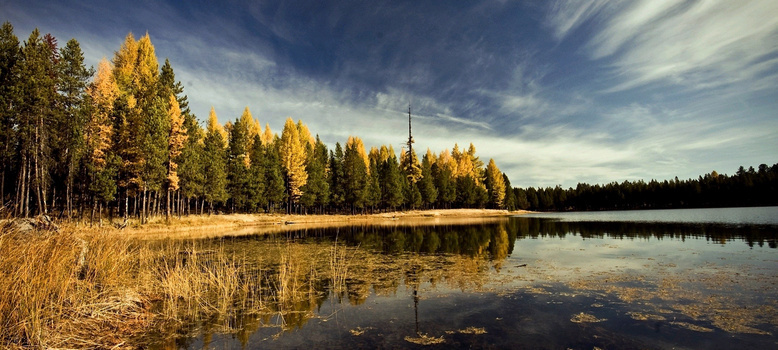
point(214, 126)
point(293, 159)
point(147, 67)
point(268, 136)
point(356, 143)
point(305, 134)
point(124, 62)
point(496, 182)
point(103, 92)
point(176, 141)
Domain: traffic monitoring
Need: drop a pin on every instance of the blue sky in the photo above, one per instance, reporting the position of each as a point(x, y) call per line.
point(556, 92)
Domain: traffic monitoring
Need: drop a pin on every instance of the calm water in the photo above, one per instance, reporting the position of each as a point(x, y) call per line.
point(612, 280)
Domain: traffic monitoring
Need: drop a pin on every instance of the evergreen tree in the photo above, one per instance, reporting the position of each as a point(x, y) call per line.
point(215, 162)
point(409, 162)
point(392, 193)
point(316, 191)
point(239, 161)
point(337, 177)
point(521, 199)
point(9, 56)
point(373, 187)
point(355, 171)
point(274, 178)
point(429, 193)
point(35, 115)
point(256, 175)
point(510, 195)
point(443, 173)
point(69, 128)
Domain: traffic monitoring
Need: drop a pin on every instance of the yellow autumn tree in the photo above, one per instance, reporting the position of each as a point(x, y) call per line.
point(495, 184)
point(124, 62)
point(214, 126)
point(268, 136)
point(305, 135)
point(175, 142)
point(357, 144)
point(293, 160)
point(247, 123)
point(99, 129)
point(176, 139)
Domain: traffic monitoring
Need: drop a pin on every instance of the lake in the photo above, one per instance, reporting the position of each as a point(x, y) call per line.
point(659, 279)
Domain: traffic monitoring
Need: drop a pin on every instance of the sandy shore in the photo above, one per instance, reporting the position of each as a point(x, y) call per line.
point(204, 226)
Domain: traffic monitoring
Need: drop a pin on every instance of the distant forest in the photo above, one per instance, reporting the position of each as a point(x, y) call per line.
point(745, 188)
point(120, 140)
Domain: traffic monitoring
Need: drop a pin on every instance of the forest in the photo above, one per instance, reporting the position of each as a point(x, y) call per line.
point(749, 187)
point(121, 141)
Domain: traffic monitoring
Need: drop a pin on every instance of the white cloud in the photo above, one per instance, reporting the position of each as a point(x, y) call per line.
point(695, 44)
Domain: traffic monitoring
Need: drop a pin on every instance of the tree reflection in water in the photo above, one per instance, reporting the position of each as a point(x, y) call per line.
point(301, 270)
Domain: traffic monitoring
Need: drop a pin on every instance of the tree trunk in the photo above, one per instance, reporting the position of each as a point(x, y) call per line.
point(143, 207)
point(167, 211)
point(27, 186)
point(92, 216)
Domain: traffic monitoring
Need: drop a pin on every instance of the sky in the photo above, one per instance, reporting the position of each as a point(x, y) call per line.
point(557, 92)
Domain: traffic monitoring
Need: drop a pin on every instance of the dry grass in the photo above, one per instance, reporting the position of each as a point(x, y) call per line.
point(209, 226)
point(58, 289)
point(97, 290)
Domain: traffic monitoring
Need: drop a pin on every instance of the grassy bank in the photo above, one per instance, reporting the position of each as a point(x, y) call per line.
point(98, 291)
point(209, 226)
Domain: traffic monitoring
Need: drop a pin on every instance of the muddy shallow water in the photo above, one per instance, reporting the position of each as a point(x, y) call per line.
point(514, 283)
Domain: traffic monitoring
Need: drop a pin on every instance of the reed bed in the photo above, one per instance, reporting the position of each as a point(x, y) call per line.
point(94, 291)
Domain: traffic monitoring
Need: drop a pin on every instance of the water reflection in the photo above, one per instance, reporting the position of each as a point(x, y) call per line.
point(306, 278)
point(753, 235)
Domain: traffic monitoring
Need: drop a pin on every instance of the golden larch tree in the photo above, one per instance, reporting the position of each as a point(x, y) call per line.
point(293, 158)
point(268, 136)
point(99, 128)
point(175, 141)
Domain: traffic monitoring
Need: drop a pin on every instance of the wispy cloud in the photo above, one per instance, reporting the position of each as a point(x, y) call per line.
point(699, 44)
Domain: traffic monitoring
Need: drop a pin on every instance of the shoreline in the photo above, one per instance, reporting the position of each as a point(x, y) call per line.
point(227, 225)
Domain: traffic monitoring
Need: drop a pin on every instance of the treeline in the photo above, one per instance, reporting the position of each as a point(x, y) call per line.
point(121, 140)
point(749, 187)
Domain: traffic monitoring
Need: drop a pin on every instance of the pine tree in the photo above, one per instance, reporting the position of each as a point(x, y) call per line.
point(35, 115)
point(215, 163)
point(274, 178)
point(429, 193)
point(256, 176)
point(392, 180)
point(373, 187)
point(337, 177)
point(355, 170)
point(9, 57)
point(409, 162)
point(239, 161)
point(293, 159)
point(316, 191)
point(510, 195)
point(69, 126)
